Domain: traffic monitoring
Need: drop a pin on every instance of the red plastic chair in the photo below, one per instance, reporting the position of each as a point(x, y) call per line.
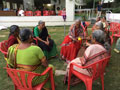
point(60, 13)
point(52, 12)
point(36, 40)
point(20, 82)
point(37, 13)
point(46, 13)
point(4, 47)
point(28, 13)
point(87, 23)
point(97, 68)
point(114, 27)
point(117, 35)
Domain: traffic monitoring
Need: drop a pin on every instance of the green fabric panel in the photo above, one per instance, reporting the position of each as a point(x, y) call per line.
point(38, 80)
point(36, 31)
point(29, 56)
point(52, 53)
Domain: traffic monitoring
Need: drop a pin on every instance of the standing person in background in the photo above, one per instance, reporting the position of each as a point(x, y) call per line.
point(64, 14)
point(99, 9)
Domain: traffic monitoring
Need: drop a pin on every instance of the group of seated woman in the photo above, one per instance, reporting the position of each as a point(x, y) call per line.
point(27, 56)
point(100, 20)
point(96, 47)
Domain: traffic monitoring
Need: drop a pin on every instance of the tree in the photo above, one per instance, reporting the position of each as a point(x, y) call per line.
point(116, 6)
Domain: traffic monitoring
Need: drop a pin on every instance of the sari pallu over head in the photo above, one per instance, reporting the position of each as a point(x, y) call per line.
point(11, 56)
point(75, 33)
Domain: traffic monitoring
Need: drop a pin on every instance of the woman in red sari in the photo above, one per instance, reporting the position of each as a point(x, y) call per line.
point(13, 36)
point(71, 45)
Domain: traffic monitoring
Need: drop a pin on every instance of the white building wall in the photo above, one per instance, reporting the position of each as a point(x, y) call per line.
point(33, 21)
point(70, 10)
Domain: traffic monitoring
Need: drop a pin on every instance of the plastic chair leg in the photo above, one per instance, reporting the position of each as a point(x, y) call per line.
point(52, 80)
point(15, 87)
point(88, 85)
point(102, 81)
point(69, 78)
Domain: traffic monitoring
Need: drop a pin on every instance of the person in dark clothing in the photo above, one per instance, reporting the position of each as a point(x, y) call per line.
point(99, 9)
point(44, 42)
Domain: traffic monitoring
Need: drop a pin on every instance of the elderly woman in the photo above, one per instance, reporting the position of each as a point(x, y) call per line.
point(117, 47)
point(71, 45)
point(44, 42)
point(94, 26)
point(105, 23)
point(27, 57)
point(13, 36)
point(95, 51)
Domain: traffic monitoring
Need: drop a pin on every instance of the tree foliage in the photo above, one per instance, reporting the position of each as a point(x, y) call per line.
point(116, 6)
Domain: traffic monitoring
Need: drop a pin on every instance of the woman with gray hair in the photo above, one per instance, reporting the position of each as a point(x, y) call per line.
point(14, 35)
point(95, 51)
point(44, 42)
point(72, 42)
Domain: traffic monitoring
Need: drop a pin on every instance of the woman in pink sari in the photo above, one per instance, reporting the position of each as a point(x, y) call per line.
point(71, 45)
point(93, 53)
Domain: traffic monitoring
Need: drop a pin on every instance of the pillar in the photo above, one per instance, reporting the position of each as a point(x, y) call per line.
point(28, 4)
point(1, 4)
point(70, 10)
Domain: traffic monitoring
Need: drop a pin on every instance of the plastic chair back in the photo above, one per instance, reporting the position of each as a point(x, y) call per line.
point(4, 47)
point(52, 12)
point(46, 13)
point(97, 70)
point(23, 79)
point(37, 13)
point(60, 13)
point(28, 13)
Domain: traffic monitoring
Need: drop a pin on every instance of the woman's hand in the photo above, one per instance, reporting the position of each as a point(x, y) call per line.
point(33, 44)
point(46, 42)
point(44, 62)
point(47, 39)
point(88, 44)
point(74, 40)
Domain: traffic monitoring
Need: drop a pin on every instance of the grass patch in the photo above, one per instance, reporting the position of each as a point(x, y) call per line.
point(111, 78)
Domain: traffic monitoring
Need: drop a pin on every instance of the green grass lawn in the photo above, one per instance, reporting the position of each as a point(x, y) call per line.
point(111, 78)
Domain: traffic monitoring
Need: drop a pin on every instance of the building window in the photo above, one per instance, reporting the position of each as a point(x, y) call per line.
point(4, 4)
point(14, 5)
point(8, 5)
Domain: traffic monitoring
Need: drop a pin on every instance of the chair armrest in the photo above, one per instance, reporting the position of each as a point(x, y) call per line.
point(46, 71)
point(74, 64)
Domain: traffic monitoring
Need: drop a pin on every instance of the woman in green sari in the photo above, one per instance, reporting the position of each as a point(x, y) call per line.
point(44, 42)
point(28, 57)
